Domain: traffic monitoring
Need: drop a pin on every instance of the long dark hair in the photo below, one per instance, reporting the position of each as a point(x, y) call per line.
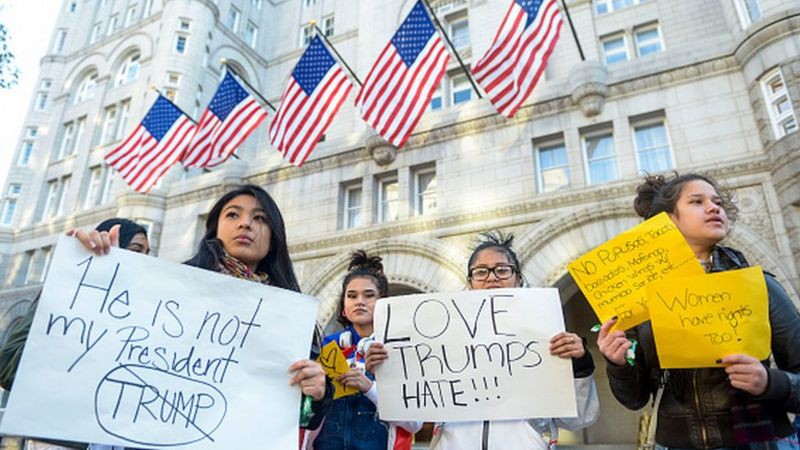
point(659, 194)
point(276, 264)
point(500, 242)
point(363, 266)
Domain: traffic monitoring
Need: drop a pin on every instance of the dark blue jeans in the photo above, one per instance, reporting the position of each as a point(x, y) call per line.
point(352, 424)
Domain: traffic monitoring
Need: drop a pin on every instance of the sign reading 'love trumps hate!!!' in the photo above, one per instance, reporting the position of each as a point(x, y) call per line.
point(473, 355)
point(131, 350)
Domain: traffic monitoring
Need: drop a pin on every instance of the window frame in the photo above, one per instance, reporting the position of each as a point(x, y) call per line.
point(547, 145)
point(176, 46)
point(419, 196)
point(645, 28)
point(383, 204)
point(347, 223)
point(613, 37)
point(637, 124)
point(598, 133)
point(236, 15)
point(771, 99)
point(745, 14)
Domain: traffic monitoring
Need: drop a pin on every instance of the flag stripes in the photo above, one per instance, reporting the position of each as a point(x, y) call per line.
point(515, 61)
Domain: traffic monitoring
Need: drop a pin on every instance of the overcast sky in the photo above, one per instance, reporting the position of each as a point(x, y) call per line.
point(30, 25)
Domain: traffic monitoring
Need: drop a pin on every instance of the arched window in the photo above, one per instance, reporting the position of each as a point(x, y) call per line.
point(128, 70)
point(86, 89)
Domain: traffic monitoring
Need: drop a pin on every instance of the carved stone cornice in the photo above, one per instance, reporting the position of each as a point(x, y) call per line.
point(295, 54)
point(59, 225)
point(515, 214)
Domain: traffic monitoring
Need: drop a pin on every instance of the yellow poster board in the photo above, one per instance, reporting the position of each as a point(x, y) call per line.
point(334, 363)
point(615, 275)
point(698, 320)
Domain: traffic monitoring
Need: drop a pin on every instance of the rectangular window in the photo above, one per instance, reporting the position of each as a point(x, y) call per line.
point(251, 35)
point(31, 132)
point(45, 83)
point(615, 49)
point(46, 257)
point(606, 6)
point(112, 25)
point(93, 187)
point(9, 206)
point(130, 14)
point(124, 115)
point(78, 135)
point(62, 195)
point(600, 156)
point(109, 125)
point(648, 39)
point(233, 19)
point(352, 206)
point(328, 26)
point(26, 261)
point(388, 192)
point(306, 33)
point(779, 105)
point(41, 101)
point(50, 203)
point(171, 94)
point(459, 33)
point(425, 191)
point(436, 100)
point(148, 7)
point(308, 3)
point(180, 44)
point(460, 89)
point(60, 42)
point(14, 189)
point(748, 10)
point(652, 147)
point(184, 24)
point(256, 4)
point(25, 153)
point(552, 169)
point(108, 181)
point(67, 140)
point(95, 36)
point(72, 6)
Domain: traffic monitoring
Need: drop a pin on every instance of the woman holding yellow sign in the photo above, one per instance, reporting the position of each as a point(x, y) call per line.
point(743, 401)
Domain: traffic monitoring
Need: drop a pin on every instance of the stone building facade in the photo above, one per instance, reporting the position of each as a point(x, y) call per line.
point(711, 86)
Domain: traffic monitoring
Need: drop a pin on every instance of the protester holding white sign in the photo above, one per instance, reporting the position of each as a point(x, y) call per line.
point(352, 421)
point(492, 265)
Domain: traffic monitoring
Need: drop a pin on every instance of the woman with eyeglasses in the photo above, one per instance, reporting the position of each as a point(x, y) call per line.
point(492, 265)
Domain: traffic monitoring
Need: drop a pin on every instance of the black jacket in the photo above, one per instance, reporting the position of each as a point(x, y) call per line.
point(699, 408)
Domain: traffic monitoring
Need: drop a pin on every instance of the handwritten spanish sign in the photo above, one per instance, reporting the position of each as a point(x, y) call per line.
point(614, 276)
point(714, 315)
point(473, 355)
point(132, 350)
point(334, 364)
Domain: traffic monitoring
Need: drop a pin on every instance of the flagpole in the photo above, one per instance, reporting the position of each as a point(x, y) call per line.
point(572, 28)
point(341, 60)
point(254, 90)
point(452, 48)
point(173, 104)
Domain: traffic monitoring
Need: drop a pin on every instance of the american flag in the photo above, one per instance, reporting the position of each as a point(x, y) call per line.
point(512, 66)
point(229, 119)
point(317, 88)
point(153, 147)
point(405, 76)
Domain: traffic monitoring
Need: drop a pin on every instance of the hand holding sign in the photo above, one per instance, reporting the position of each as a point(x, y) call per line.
point(335, 365)
point(714, 315)
point(615, 275)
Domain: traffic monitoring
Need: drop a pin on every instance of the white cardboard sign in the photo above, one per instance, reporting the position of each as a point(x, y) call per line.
point(131, 350)
point(472, 355)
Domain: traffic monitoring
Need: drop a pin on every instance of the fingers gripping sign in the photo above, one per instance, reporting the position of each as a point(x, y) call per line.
point(614, 345)
point(97, 242)
point(310, 377)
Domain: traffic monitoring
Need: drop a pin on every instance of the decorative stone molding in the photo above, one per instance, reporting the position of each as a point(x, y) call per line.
point(588, 83)
point(774, 27)
point(382, 151)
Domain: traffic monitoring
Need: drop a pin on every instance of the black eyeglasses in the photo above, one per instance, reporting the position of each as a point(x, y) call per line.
point(500, 272)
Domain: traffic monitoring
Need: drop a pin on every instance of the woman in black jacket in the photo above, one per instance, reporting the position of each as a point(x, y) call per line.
point(744, 402)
